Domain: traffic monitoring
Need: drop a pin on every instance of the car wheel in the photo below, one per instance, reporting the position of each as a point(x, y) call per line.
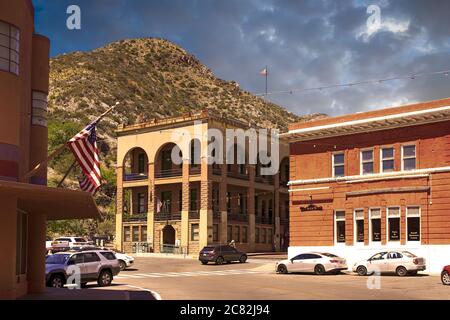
point(243, 258)
point(57, 281)
point(361, 271)
point(319, 270)
point(105, 278)
point(219, 260)
point(204, 262)
point(445, 278)
point(401, 271)
point(122, 265)
point(282, 269)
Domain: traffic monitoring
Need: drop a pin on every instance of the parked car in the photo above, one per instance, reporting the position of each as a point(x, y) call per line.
point(95, 265)
point(69, 242)
point(125, 260)
point(401, 263)
point(445, 276)
point(312, 262)
point(220, 254)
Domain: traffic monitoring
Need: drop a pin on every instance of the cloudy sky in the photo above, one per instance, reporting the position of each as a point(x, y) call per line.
point(305, 43)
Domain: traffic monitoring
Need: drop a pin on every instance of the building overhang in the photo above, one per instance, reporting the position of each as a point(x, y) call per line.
point(399, 120)
point(55, 203)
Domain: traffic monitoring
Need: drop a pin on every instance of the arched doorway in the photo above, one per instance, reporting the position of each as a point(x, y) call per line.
point(168, 239)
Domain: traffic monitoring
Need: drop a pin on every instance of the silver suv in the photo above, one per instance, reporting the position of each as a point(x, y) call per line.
point(93, 265)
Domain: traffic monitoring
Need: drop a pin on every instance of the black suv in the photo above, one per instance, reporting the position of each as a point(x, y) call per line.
point(221, 254)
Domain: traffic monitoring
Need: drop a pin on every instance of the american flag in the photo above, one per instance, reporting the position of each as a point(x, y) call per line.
point(84, 148)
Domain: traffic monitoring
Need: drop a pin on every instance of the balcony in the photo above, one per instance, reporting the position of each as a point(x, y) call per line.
point(135, 177)
point(135, 218)
point(263, 220)
point(169, 173)
point(167, 216)
point(241, 217)
point(195, 169)
point(194, 214)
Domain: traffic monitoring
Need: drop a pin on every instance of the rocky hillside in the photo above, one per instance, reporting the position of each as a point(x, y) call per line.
point(152, 78)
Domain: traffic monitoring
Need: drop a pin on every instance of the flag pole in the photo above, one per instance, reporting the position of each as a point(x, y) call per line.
point(74, 164)
point(62, 147)
point(267, 75)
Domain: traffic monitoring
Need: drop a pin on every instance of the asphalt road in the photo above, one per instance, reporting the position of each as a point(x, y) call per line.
point(187, 279)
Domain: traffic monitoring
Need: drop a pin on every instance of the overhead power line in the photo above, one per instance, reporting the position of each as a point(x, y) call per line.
point(351, 84)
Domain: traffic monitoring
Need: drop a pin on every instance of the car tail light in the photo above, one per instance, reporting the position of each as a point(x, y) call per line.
point(334, 261)
point(416, 261)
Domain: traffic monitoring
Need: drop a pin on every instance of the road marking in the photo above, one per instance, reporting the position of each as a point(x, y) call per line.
point(186, 274)
point(154, 293)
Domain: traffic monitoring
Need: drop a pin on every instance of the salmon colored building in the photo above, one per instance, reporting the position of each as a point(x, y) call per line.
point(372, 181)
point(164, 206)
point(27, 203)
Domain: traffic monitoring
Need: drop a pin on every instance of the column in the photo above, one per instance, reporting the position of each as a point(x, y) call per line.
point(276, 211)
point(223, 191)
point(206, 213)
point(8, 245)
point(119, 209)
point(151, 206)
point(185, 207)
point(251, 207)
point(36, 253)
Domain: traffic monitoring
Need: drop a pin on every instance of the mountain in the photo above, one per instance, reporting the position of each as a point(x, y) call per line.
point(151, 78)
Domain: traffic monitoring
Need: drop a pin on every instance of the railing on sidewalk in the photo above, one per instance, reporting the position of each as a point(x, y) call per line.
point(173, 249)
point(141, 247)
point(165, 216)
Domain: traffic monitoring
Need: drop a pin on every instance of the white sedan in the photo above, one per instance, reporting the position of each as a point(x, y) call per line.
point(401, 263)
point(125, 260)
point(318, 263)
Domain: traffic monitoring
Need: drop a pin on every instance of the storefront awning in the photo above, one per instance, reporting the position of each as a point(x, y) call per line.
point(55, 203)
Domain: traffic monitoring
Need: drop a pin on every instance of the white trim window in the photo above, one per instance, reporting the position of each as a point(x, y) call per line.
point(39, 109)
point(393, 224)
point(409, 157)
point(375, 225)
point(9, 48)
point(359, 226)
point(387, 159)
point(338, 164)
point(339, 229)
point(413, 224)
point(367, 161)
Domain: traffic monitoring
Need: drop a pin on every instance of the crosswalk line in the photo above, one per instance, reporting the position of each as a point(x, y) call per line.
point(186, 274)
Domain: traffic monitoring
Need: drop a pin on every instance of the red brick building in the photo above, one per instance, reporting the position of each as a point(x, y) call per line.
point(370, 181)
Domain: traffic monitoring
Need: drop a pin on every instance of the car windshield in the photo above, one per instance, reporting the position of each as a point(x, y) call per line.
point(57, 259)
point(329, 255)
point(409, 254)
point(80, 240)
point(208, 248)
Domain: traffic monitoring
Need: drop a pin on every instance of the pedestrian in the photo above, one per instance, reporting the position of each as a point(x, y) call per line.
point(233, 244)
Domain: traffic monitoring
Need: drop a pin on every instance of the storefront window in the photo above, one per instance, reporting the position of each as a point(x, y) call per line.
point(359, 225)
point(375, 221)
point(387, 159)
point(126, 234)
point(338, 165)
point(144, 233)
point(394, 224)
point(367, 162)
point(409, 157)
point(195, 231)
point(340, 226)
point(135, 234)
point(413, 223)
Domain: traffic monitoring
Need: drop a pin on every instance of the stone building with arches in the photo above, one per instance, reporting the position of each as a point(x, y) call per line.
point(180, 206)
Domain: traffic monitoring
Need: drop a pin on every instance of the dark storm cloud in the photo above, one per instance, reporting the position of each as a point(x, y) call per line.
point(304, 43)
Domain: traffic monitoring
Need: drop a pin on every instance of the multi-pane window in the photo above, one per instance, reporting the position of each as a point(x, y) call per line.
point(241, 203)
point(141, 163)
point(409, 157)
point(142, 208)
point(229, 233)
point(193, 200)
point(237, 234)
point(256, 235)
point(126, 234)
point(367, 162)
point(269, 236)
point(9, 48)
point(359, 225)
point(195, 231)
point(244, 234)
point(413, 223)
point(340, 226)
point(135, 234)
point(394, 224)
point(338, 165)
point(387, 159)
point(144, 233)
point(263, 235)
point(375, 225)
point(39, 109)
point(216, 233)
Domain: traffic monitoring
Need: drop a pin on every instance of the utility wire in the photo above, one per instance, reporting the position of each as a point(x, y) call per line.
point(351, 84)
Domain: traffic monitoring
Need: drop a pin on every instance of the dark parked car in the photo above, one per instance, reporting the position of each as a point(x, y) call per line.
point(221, 254)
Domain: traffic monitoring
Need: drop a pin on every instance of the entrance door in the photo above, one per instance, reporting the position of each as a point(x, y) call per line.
point(168, 239)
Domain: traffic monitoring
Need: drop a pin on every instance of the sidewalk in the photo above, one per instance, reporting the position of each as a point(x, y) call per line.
point(91, 294)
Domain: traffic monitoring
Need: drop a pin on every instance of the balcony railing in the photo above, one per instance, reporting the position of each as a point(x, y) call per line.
point(169, 173)
point(194, 214)
point(264, 179)
point(216, 169)
point(135, 176)
point(195, 169)
point(263, 220)
point(135, 218)
point(238, 175)
point(167, 216)
point(242, 217)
